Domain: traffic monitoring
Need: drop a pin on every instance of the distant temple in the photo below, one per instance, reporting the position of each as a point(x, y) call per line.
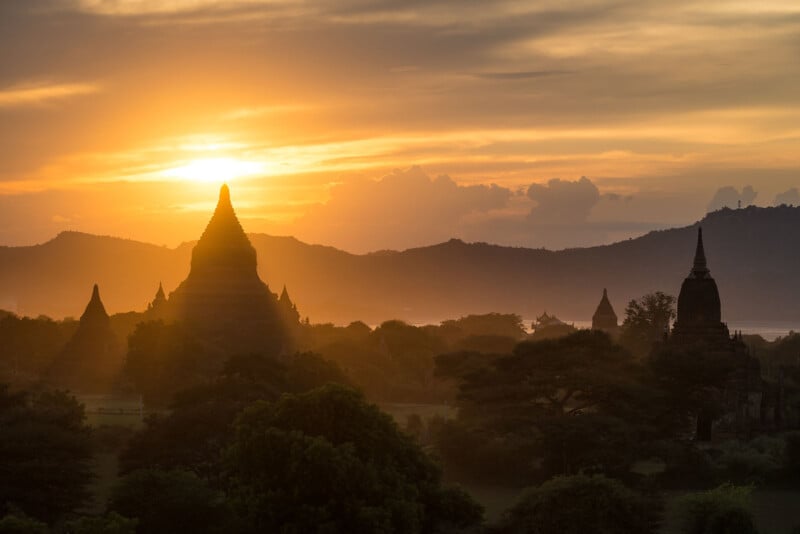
point(223, 299)
point(699, 327)
point(158, 307)
point(548, 326)
point(604, 317)
point(699, 308)
point(92, 358)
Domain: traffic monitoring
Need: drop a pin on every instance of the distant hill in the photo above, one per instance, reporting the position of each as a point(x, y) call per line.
point(753, 253)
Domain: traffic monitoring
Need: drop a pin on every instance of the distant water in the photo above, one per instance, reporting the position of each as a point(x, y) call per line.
point(769, 330)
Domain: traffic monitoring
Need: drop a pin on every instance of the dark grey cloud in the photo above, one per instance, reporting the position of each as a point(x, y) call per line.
point(730, 197)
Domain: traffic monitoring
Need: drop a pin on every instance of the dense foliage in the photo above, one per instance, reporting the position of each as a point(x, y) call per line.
point(45, 449)
point(724, 510)
point(326, 461)
point(578, 504)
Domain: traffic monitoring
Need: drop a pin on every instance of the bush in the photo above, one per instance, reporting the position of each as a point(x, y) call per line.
point(723, 510)
point(18, 523)
point(686, 466)
point(471, 455)
point(579, 504)
point(792, 453)
point(111, 523)
point(751, 462)
point(169, 501)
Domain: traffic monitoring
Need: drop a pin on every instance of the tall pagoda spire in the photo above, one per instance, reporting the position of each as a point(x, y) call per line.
point(223, 298)
point(700, 268)
point(224, 242)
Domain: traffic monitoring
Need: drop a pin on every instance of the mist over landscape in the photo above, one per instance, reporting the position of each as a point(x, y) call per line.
point(754, 254)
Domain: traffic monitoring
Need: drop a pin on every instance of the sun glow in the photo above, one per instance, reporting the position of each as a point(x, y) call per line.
point(216, 170)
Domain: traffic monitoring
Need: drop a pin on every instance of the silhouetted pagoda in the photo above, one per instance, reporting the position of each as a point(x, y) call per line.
point(223, 299)
point(699, 328)
point(604, 317)
point(157, 309)
point(90, 361)
point(699, 308)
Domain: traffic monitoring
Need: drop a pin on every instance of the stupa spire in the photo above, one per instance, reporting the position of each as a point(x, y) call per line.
point(604, 317)
point(700, 268)
point(95, 307)
point(224, 241)
point(160, 293)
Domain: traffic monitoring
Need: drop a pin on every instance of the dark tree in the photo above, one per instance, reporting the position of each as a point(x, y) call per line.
point(163, 359)
point(646, 322)
point(199, 424)
point(579, 504)
point(578, 403)
point(165, 502)
point(695, 382)
point(45, 449)
point(326, 461)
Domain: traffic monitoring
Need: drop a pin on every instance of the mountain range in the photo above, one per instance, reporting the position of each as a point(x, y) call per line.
point(753, 253)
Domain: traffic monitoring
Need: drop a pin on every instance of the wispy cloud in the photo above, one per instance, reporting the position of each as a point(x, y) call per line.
point(33, 95)
point(519, 75)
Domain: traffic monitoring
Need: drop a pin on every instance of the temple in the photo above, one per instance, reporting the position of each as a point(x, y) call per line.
point(158, 307)
point(699, 309)
point(223, 299)
point(604, 317)
point(92, 358)
point(699, 328)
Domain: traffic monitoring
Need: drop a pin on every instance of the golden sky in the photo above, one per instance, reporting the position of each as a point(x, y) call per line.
point(368, 124)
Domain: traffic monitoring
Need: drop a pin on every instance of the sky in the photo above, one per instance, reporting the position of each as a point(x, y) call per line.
point(369, 125)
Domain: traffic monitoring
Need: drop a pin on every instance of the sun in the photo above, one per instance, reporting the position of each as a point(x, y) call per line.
point(215, 170)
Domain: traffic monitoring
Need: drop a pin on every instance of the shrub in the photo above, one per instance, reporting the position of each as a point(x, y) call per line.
point(169, 501)
point(111, 523)
point(751, 462)
point(18, 523)
point(579, 504)
point(723, 510)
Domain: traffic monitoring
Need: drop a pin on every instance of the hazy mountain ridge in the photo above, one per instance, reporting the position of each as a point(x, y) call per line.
point(753, 253)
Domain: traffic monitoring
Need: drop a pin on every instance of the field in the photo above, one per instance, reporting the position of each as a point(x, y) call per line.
point(113, 411)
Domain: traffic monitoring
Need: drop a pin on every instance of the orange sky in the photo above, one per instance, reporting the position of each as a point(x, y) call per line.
point(370, 124)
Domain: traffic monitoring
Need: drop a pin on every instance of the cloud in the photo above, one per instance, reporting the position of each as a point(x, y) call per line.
point(790, 197)
point(519, 75)
point(730, 197)
point(33, 95)
point(561, 202)
point(403, 209)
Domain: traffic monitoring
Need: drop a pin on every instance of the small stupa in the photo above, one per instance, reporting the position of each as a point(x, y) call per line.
point(604, 317)
point(157, 309)
point(92, 358)
point(223, 299)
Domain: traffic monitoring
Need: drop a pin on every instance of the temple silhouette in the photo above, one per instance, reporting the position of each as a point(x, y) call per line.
point(223, 299)
point(604, 317)
point(699, 329)
point(91, 359)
